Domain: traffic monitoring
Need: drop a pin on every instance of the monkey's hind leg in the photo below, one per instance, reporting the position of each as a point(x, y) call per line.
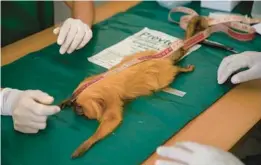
point(109, 122)
point(188, 68)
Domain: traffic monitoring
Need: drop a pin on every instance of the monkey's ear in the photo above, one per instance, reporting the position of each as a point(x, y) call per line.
point(101, 103)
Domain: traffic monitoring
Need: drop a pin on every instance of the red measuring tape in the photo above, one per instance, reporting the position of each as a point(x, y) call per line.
point(224, 24)
point(166, 52)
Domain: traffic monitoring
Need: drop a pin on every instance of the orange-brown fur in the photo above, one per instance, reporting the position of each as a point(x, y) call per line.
point(104, 100)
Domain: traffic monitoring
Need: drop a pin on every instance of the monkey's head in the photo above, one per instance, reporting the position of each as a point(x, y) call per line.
point(90, 104)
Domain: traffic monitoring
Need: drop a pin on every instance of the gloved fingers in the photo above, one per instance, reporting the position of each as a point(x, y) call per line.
point(87, 37)
point(229, 68)
point(43, 110)
point(64, 29)
point(36, 125)
point(250, 74)
point(30, 124)
point(35, 118)
point(165, 162)
point(69, 38)
point(56, 30)
point(40, 96)
point(221, 69)
point(77, 40)
point(176, 153)
point(25, 129)
point(20, 117)
point(191, 146)
point(225, 61)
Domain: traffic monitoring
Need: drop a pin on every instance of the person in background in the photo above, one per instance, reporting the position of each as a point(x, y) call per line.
point(20, 19)
point(30, 108)
point(191, 153)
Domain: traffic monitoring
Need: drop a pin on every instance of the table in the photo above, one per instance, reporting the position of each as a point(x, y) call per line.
point(221, 125)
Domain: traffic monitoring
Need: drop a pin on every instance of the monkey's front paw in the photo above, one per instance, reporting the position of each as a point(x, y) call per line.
point(190, 67)
point(78, 109)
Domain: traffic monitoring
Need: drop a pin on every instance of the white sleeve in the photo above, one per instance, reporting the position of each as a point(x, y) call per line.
point(8, 97)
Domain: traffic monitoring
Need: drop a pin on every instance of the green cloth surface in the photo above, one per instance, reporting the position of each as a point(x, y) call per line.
point(148, 121)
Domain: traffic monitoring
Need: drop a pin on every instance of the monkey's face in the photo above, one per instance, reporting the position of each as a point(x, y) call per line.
point(91, 107)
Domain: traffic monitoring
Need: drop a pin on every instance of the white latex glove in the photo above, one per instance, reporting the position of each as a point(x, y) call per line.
point(232, 63)
point(171, 4)
point(29, 109)
point(189, 153)
point(73, 35)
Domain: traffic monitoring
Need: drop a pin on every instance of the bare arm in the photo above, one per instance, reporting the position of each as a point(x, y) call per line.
point(83, 10)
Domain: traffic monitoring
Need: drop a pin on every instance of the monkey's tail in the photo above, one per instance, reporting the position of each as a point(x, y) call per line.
point(195, 25)
point(177, 55)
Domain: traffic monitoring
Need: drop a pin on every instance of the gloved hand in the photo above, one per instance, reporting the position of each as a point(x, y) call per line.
point(172, 4)
point(189, 153)
point(232, 63)
point(73, 34)
point(29, 109)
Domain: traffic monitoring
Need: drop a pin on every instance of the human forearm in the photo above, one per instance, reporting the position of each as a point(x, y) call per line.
point(83, 10)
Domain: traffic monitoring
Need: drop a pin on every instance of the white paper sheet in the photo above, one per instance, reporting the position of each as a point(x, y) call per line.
point(146, 39)
point(258, 28)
